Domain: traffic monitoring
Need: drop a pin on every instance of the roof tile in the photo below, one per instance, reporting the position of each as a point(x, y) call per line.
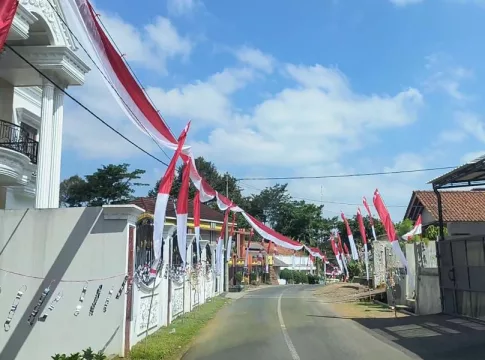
point(466, 206)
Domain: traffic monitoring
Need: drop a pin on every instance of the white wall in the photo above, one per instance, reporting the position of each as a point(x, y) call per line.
point(302, 263)
point(65, 249)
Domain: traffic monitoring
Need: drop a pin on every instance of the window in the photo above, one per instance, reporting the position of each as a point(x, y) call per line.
point(30, 131)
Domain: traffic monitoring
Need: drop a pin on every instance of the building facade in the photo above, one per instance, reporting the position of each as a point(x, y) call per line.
point(33, 72)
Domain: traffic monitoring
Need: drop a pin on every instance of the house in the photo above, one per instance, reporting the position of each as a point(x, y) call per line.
point(463, 211)
point(31, 107)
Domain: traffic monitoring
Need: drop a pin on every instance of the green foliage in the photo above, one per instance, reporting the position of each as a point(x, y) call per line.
point(295, 276)
point(87, 354)
point(110, 184)
point(432, 232)
point(355, 268)
point(172, 341)
point(239, 277)
point(404, 226)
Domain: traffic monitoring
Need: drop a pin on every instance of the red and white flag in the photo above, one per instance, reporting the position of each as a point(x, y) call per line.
point(196, 204)
point(122, 84)
point(353, 248)
point(251, 234)
point(371, 219)
point(162, 201)
point(389, 227)
point(229, 241)
point(416, 230)
point(8, 8)
point(183, 213)
point(220, 243)
point(360, 220)
point(336, 252)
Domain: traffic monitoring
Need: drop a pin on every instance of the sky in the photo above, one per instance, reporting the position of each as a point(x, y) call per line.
point(283, 88)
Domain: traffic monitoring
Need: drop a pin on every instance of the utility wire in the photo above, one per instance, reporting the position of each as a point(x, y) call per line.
point(84, 106)
point(324, 201)
point(106, 78)
point(347, 175)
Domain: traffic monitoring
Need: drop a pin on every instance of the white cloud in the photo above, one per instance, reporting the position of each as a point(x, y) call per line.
point(151, 45)
point(207, 101)
point(182, 7)
point(255, 58)
point(320, 120)
point(472, 124)
point(402, 3)
point(447, 77)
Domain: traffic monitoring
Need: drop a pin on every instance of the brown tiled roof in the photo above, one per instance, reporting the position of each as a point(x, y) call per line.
point(466, 206)
point(206, 212)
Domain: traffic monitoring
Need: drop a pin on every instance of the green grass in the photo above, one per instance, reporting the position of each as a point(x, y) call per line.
point(166, 344)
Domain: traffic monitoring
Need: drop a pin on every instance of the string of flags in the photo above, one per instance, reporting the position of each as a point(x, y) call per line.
point(34, 315)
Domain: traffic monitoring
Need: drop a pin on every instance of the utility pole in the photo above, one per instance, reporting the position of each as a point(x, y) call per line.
point(226, 238)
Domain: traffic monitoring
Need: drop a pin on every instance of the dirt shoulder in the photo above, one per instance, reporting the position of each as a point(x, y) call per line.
point(352, 301)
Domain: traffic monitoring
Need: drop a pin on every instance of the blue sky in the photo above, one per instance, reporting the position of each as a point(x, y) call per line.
point(279, 88)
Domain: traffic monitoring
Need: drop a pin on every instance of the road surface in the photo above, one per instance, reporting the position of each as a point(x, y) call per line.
point(287, 323)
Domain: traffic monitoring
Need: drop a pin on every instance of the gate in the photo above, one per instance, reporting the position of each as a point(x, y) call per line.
point(462, 276)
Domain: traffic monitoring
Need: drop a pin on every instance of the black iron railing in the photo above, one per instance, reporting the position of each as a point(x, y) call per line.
point(15, 138)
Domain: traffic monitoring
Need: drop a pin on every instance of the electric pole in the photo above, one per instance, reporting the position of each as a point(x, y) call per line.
point(226, 238)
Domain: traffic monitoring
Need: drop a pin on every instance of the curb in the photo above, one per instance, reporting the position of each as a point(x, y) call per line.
point(390, 307)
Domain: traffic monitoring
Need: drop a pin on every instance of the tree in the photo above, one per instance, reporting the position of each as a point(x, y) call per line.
point(72, 192)
point(266, 205)
point(111, 184)
point(300, 220)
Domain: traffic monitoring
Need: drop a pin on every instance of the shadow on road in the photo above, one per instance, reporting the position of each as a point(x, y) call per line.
point(432, 337)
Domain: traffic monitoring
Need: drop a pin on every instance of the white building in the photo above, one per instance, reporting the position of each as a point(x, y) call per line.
point(31, 107)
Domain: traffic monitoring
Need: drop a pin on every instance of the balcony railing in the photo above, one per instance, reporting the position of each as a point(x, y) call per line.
point(15, 138)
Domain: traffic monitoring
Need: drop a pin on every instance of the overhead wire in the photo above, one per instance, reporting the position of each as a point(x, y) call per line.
point(346, 175)
point(106, 78)
point(83, 106)
point(323, 201)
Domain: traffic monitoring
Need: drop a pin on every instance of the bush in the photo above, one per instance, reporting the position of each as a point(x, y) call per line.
point(239, 277)
point(312, 279)
point(355, 268)
point(87, 354)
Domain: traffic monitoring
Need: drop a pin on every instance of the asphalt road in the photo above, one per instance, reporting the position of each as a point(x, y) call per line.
point(287, 323)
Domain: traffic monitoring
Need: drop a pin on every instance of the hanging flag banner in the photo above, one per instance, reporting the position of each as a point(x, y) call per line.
point(229, 241)
point(251, 234)
point(336, 253)
point(371, 219)
point(196, 205)
point(386, 220)
point(353, 248)
point(341, 252)
point(182, 212)
point(360, 220)
point(162, 201)
point(8, 8)
point(416, 230)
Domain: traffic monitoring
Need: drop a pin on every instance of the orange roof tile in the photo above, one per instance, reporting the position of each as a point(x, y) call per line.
point(466, 206)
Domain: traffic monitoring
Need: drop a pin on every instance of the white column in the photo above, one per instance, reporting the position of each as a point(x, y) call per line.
point(56, 153)
point(45, 147)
